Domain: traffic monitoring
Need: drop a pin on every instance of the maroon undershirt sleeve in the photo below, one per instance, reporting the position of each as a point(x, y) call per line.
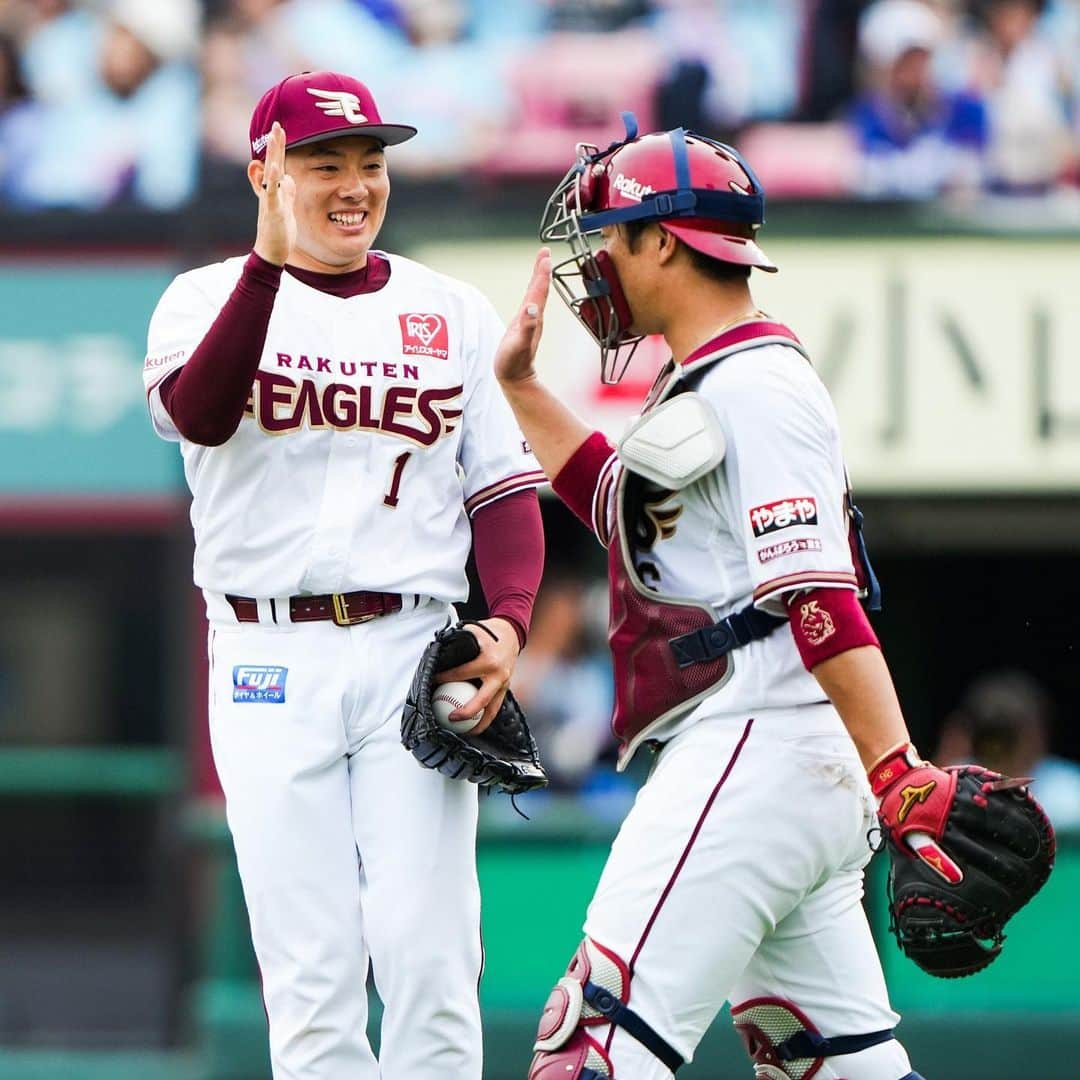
point(207, 396)
point(508, 545)
point(577, 479)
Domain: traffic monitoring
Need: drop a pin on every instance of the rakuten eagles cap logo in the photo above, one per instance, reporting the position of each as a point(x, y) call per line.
point(629, 188)
point(339, 103)
point(424, 334)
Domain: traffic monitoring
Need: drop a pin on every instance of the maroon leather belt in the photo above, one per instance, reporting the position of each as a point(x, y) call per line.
point(345, 609)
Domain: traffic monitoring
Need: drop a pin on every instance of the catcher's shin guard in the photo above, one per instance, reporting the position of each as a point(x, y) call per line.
point(785, 1045)
point(593, 991)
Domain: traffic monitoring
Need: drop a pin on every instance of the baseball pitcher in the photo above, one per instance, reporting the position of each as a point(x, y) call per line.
point(345, 442)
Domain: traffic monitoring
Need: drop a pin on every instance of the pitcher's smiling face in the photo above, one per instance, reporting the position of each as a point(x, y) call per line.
point(342, 188)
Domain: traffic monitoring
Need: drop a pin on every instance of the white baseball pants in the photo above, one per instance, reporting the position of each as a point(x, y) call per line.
point(736, 875)
point(349, 851)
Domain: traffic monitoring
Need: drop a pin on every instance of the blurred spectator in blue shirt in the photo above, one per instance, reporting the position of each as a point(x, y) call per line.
point(915, 138)
point(1004, 723)
point(118, 109)
point(1025, 74)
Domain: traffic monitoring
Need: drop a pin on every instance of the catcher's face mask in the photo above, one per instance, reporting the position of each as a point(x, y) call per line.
point(702, 191)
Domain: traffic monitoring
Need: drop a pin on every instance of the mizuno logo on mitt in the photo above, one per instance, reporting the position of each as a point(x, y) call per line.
point(911, 795)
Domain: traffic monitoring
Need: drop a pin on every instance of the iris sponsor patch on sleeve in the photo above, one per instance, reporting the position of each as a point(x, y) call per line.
point(259, 684)
point(774, 516)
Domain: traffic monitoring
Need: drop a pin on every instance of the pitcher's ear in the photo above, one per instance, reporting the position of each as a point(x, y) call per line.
point(255, 171)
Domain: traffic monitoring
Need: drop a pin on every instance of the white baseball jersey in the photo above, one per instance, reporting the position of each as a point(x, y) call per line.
point(374, 428)
point(768, 519)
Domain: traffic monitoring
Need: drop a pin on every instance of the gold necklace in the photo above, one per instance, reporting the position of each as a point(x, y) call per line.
point(746, 316)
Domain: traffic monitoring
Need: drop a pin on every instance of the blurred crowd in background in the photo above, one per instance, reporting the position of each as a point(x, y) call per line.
point(107, 102)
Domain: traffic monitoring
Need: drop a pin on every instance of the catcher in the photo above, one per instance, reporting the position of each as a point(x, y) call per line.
point(743, 661)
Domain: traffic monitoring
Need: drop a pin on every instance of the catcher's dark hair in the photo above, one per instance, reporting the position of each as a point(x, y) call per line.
point(713, 269)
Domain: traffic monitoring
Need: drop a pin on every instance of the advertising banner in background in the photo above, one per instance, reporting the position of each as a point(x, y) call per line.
point(953, 363)
point(72, 410)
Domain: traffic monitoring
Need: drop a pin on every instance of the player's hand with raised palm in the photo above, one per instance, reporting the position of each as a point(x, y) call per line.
point(275, 236)
point(550, 428)
point(516, 355)
point(499, 648)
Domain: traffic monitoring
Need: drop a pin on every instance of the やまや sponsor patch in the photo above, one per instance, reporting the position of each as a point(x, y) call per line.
point(424, 334)
point(771, 517)
point(259, 684)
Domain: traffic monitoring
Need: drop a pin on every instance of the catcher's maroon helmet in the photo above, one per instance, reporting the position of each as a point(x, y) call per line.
point(699, 190)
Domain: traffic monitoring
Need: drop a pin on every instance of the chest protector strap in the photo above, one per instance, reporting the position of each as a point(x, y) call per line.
point(739, 628)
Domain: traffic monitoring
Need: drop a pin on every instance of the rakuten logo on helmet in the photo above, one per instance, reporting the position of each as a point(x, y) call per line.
point(629, 188)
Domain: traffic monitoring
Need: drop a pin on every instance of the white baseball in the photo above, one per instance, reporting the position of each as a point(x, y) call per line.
point(450, 696)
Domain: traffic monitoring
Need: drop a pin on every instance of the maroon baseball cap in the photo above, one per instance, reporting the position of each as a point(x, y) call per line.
point(319, 105)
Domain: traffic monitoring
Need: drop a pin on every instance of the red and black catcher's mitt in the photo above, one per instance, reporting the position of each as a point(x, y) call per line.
point(504, 756)
point(968, 849)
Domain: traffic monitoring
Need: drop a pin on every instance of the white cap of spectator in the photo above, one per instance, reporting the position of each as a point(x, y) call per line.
point(890, 28)
point(168, 28)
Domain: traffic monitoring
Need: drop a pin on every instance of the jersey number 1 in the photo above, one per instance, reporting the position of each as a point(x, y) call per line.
point(391, 497)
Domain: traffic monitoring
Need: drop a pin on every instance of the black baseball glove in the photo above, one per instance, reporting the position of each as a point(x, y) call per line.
point(968, 849)
point(504, 756)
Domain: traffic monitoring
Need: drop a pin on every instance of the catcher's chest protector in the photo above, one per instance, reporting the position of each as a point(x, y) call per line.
point(650, 687)
point(649, 684)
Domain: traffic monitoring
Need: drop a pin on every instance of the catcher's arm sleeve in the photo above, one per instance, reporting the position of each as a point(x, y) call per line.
point(206, 397)
point(584, 482)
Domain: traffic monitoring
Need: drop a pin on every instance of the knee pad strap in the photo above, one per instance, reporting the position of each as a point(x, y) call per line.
point(809, 1044)
point(782, 1042)
point(605, 1003)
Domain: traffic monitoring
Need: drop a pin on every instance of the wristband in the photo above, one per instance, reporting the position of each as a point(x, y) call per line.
point(891, 765)
point(827, 622)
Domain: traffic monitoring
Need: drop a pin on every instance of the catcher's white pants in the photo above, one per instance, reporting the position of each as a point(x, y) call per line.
point(348, 850)
point(736, 875)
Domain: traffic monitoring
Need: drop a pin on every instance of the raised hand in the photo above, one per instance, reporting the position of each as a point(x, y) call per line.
point(516, 354)
point(276, 232)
